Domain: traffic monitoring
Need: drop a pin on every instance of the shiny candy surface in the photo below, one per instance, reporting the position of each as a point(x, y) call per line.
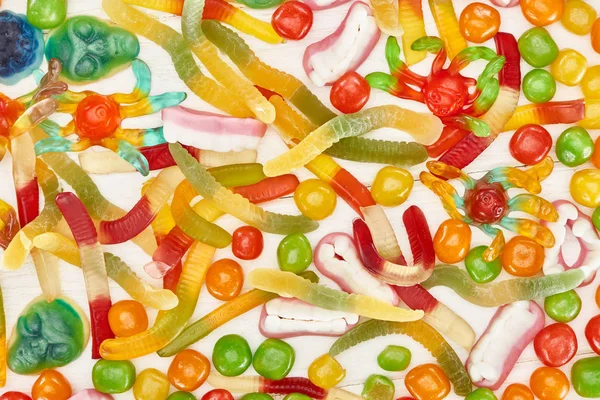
point(539, 86)
point(315, 199)
point(256, 396)
point(225, 279)
point(579, 17)
point(530, 144)
point(555, 345)
point(378, 387)
point(479, 270)
point(294, 253)
point(596, 219)
point(392, 186)
point(596, 155)
point(296, 396)
point(51, 385)
point(326, 372)
point(274, 359)
point(22, 47)
point(292, 20)
point(231, 355)
point(592, 333)
point(569, 67)
point(217, 394)
point(394, 358)
point(46, 14)
point(590, 84)
point(517, 391)
point(188, 370)
point(350, 93)
point(127, 318)
point(427, 382)
point(181, 396)
point(151, 384)
point(543, 12)
point(481, 394)
point(452, 241)
point(585, 376)
point(585, 187)
point(247, 243)
point(537, 47)
point(522, 257)
point(563, 307)
point(549, 384)
point(97, 117)
point(595, 36)
point(479, 22)
point(14, 396)
point(113, 377)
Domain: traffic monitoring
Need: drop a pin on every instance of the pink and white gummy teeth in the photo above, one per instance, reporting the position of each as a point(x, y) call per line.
point(208, 131)
point(345, 49)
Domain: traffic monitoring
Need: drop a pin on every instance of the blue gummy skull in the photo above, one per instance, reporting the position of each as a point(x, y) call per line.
point(21, 47)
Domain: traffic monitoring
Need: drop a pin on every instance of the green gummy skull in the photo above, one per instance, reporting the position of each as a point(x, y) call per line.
point(91, 49)
point(47, 335)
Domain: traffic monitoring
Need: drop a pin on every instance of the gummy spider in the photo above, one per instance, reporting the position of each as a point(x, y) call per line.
point(486, 201)
point(456, 99)
point(96, 120)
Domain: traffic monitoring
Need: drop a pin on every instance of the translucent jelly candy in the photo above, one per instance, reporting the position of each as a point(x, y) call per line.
point(542, 12)
point(247, 243)
point(231, 355)
point(51, 385)
point(151, 384)
point(315, 199)
point(569, 66)
point(563, 307)
point(585, 187)
point(539, 86)
point(517, 391)
point(452, 241)
point(480, 270)
point(394, 358)
point(578, 17)
point(537, 47)
point(292, 20)
point(274, 359)
point(479, 22)
point(20, 41)
point(127, 318)
point(46, 14)
point(392, 186)
point(294, 253)
point(555, 345)
point(522, 257)
point(113, 376)
point(584, 376)
point(188, 370)
point(530, 144)
point(590, 84)
point(427, 382)
point(574, 146)
point(225, 279)
point(350, 92)
point(549, 384)
point(378, 387)
point(326, 372)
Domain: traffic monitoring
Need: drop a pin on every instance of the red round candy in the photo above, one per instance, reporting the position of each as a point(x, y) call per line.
point(14, 396)
point(350, 93)
point(292, 20)
point(555, 345)
point(592, 333)
point(218, 394)
point(530, 144)
point(247, 243)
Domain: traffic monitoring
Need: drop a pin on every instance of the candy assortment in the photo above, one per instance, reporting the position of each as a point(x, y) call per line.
point(292, 266)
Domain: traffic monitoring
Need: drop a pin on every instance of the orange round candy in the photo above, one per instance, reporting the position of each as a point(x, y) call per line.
point(479, 22)
point(127, 318)
point(542, 12)
point(522, 257)
point(51, 385)
point(427, 382)
point(188, 370)
point(579, 17)
point(598, 296)
point(596, 154)
point(517, 391)
point(595, 36)
point(452, 241)
point(549, 383)
point(224, 279)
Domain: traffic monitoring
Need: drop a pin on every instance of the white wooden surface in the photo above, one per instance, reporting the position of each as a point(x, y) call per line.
point(124, 190)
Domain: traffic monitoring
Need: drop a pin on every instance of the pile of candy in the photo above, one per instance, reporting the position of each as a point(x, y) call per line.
point(372, 288)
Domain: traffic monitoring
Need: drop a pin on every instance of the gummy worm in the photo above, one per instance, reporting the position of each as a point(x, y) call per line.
point(387, 16)
point(447, 24)
point(92, 264)
point(499, 293)
point(66, 249)
point(268, 188)
point(419, 331)
point(234, 204)
point(410, 14)
point(185, 65)
point(552, 112)
point(221, 315)
point(292, 285)
point(26, 185)
point(169, 323)
point(2, 342)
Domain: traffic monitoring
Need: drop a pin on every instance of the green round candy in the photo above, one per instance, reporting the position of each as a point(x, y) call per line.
point(378, 387)
point(231, 355)
point(585, 377)
point(294, 253)
point(394, 358)
point(297, 396)
point(480, 270)
point(537, 47)
point(256, 396)
point(181, 396)
point(596, 218)
point(481, 394)
point(274, 359)
point(539, 86)
point(46, 14)
point(563, 307)
point(574, 146)
point(112, 377)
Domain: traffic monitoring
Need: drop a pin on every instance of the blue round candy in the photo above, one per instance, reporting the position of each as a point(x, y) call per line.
point(21, 47)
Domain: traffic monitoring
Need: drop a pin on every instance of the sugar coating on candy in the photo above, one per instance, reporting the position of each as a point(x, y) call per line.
point(21, 47)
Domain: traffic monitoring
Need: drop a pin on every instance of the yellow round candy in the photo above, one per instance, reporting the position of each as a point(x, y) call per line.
point(578, 17)
point(585, 187)
point(326, 372)
point(392, 186)
point(569, 67)
point(151, 384)
point(590, 84)
point(315, 199)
